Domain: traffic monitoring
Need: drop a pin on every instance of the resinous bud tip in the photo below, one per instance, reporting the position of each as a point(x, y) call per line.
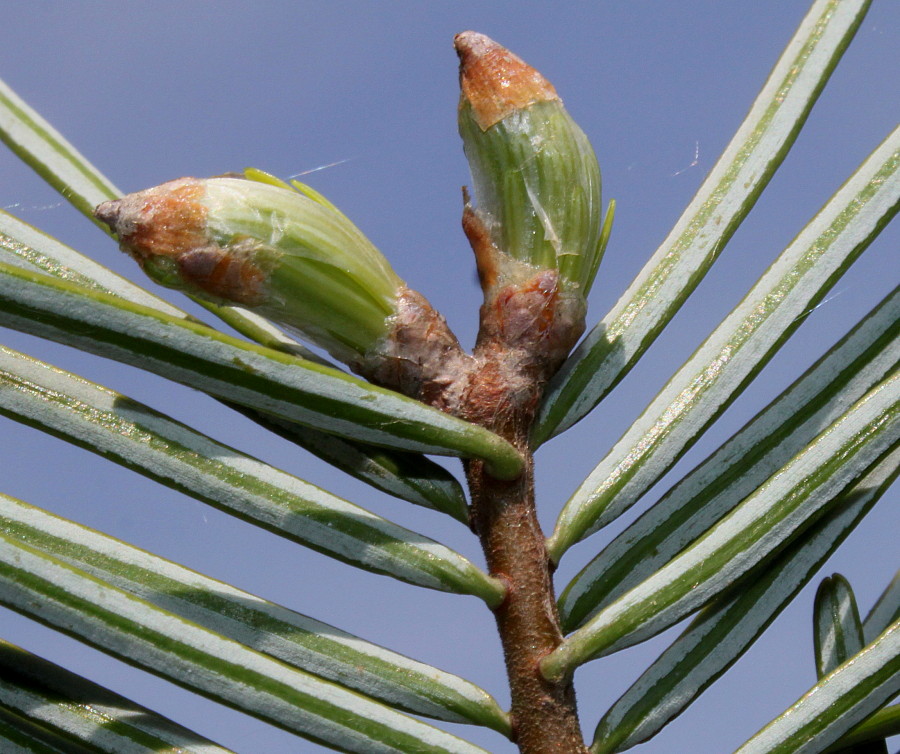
point(536, 178)
point(494, 81)
point(281, 250)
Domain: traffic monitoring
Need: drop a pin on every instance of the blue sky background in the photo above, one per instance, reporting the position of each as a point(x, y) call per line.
point(154, 91)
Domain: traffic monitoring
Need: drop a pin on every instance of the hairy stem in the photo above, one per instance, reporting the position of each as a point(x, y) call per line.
point(526, 330)
point(544, 715)
point(528, 325)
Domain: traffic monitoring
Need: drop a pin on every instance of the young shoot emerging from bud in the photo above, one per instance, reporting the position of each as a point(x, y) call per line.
point(535, 175)
point(283, 251)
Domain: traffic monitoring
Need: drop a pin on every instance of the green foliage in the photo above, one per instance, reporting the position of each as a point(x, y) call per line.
point(731, 544)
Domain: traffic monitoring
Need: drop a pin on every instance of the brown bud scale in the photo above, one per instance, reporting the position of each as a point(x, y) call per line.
point(479, 237)
point(494, 81)
point(233, 274)
point(161, 221)
point(170, 221)
point(420, 356)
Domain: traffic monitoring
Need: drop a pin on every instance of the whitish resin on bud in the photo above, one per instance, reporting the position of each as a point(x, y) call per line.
point(283, 251)
point(536, 177)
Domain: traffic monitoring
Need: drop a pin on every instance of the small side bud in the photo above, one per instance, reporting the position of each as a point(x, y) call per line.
point(284, 252)
point(536, 177)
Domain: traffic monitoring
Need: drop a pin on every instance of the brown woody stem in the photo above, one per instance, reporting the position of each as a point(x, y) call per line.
point(544, 714)
point(528, 325)
point(527, 328)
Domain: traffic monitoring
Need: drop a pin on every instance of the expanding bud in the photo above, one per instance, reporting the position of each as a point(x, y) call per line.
point(282, 251)
point(536, 178)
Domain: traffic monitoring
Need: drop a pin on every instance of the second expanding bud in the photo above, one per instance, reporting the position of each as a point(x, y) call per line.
point(282, 251)
point(536, 178)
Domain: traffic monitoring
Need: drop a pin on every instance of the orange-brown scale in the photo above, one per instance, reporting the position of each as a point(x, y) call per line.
point(494, 81)
point(161, 221)
point(479, 238)
point(525, 312)
point(170, 221)
point(230, 273)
